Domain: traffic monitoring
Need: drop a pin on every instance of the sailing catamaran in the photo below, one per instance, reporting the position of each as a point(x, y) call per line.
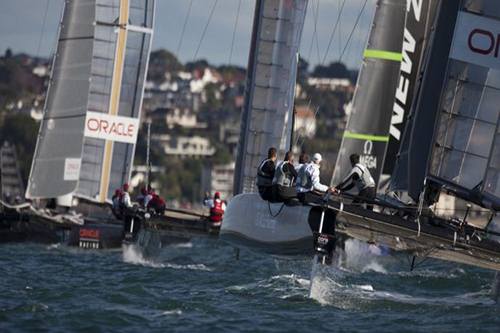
point(282, 229)
point(449, 146)
point(87, 137)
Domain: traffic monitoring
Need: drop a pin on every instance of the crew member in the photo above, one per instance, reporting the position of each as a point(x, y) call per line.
point(156, 204)
point(309, 178)
point(116, 200)
point(303, 160)
point(126, 208)
point(125, 201)
point(361, 178)
point(144, 198)
point(284, 179)
point(217, 208)
point(265, 175)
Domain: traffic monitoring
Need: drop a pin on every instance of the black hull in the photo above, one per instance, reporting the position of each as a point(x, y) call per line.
point(31, 227)
point(179, 226)
point(432, 237)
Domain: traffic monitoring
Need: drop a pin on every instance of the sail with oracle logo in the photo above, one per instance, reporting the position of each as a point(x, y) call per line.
point(87, 137)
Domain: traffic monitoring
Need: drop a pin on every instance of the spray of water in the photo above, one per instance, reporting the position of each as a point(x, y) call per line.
point(132, 254)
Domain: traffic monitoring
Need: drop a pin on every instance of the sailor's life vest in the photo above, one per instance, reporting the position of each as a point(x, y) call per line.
point(157, 204)
point(217, 211)
point(365, 178)
point(304, 179)
point(264, 178)
point(281, 177)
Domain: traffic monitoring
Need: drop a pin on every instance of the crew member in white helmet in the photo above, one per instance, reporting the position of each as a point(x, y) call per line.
point(308, 179)
point(361, 178)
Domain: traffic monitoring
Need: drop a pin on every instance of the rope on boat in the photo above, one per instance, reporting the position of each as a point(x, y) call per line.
point(60, 218)
point(279, 211)
point(16, 207)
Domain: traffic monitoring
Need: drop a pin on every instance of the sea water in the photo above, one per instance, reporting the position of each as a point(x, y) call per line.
point(200, 287)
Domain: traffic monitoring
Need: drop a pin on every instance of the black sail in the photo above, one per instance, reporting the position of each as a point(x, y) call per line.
point(419, 19)
point(427, 103)
point(367, 129)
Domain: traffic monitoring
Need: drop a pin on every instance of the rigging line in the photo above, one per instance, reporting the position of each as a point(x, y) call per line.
point(314, 37)
point(315, 28)
point(359, 42)
point(212, 10)
point(311, 3)
point(179, 45)
point(234, 32)
point(340, 30)
point(42, 31)
point(309, 125)
point(297, 135)
point(332, 35)
point(353, 29)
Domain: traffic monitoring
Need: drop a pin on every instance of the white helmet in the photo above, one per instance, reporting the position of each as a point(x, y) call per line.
point(317, 158)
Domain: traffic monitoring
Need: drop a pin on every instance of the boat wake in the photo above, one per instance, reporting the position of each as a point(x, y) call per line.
point(132, 254)
point(332, 285)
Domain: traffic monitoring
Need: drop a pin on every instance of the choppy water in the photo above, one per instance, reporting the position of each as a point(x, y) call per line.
point(199, 286)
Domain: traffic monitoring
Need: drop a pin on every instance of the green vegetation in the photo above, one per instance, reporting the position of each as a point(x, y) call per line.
point(221, 106)
point(20, 130)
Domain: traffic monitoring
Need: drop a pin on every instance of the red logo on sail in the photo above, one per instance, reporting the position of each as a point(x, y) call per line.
point(477, 40)
point(114, 128)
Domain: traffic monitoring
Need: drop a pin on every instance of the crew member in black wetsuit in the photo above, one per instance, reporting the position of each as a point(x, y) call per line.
point(284, 179)
point(265, 175)
point(361, 178)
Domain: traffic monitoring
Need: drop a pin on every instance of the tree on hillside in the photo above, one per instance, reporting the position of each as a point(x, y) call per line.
point(161, 62)
point(200, 64)
point(21, 131)
point(302, 71)
point(333, 70)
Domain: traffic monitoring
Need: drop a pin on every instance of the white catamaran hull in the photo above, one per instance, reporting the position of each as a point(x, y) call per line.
point(269, 227)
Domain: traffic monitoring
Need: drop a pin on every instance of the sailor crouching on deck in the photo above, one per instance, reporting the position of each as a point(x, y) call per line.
point(265, 175)
point(361, 178)
point(308, 178)
point(284, 179)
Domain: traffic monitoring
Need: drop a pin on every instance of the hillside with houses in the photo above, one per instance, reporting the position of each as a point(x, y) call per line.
point(194, 109)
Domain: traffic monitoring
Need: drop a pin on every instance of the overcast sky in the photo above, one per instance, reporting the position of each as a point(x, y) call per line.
point(21, 24)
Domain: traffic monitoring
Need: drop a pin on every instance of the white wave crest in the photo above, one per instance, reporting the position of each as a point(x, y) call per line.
point(133, 255)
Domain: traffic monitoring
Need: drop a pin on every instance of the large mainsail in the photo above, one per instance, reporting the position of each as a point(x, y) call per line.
point(87, 137)
point(419, 18)
point(367, 129)
point(272, 69)
point(465, 155)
